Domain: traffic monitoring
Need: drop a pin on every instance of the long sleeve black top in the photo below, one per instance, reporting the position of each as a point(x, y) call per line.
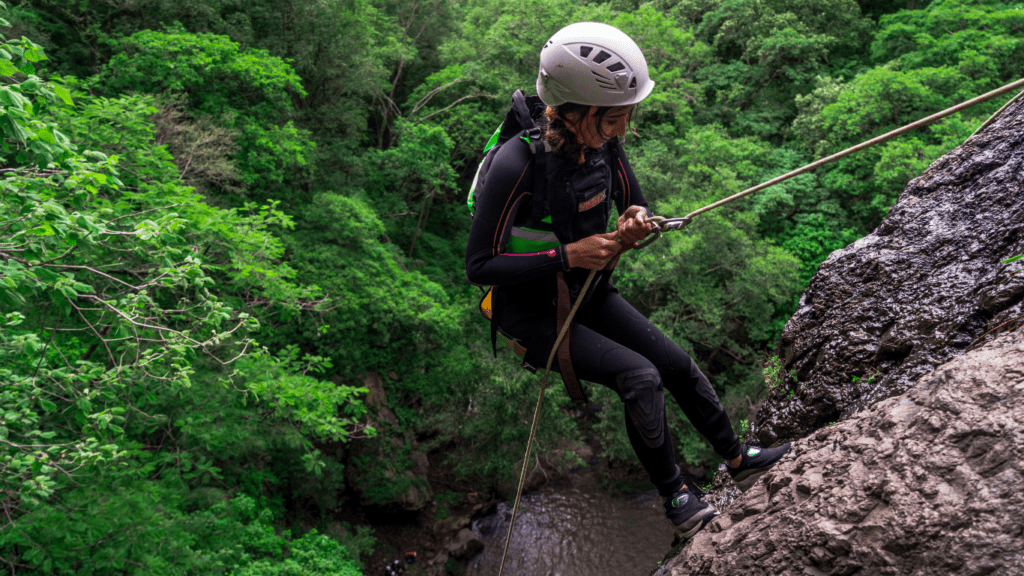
point(504, 201)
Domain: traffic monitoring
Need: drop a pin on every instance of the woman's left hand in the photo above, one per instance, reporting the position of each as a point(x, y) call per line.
point(633, 226)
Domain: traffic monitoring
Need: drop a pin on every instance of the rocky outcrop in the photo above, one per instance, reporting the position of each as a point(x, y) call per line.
point(928, 482)
point(918, 291)
point(904, 377)
point(464, 545)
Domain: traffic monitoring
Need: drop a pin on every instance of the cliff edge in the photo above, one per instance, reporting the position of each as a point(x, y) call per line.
point(918, 291)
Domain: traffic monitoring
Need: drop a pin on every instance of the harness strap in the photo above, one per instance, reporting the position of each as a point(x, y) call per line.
point(572, 385)
point(540, 180)
point(491, 298)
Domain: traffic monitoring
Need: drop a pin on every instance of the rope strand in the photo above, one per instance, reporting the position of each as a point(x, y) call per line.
point(536, 414)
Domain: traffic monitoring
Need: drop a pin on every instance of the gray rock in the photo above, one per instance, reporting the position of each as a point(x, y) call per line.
point(464, 545)
point(928, 482)
point(917, 292)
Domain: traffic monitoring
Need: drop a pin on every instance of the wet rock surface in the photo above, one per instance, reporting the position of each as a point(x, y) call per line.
point(918, 291)
point(465, 544)
point(928, 482)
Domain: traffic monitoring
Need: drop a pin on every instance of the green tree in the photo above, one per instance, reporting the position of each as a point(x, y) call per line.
point(124, 340)
point(767, 52)
point(236, 98)
point(927, 60)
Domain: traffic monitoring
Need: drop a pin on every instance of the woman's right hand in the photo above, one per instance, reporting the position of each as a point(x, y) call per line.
point(593, 252)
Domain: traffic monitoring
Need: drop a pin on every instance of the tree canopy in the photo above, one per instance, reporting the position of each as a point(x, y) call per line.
point(232, 301)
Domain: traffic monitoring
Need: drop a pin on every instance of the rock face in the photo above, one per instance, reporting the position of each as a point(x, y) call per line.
point(929, 482)
point(465, 544)
point(915, 293)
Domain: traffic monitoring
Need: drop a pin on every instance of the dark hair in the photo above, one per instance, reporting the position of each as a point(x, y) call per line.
point(556, 132)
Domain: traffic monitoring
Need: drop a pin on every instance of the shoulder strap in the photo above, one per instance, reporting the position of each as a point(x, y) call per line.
point(540, 182)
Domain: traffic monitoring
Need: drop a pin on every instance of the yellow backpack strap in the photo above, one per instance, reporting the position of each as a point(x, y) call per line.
point(486, 308)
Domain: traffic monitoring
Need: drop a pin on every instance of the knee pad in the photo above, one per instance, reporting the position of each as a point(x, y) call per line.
point(642, 392)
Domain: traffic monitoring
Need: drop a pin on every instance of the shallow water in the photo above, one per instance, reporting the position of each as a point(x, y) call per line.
point(575, 531)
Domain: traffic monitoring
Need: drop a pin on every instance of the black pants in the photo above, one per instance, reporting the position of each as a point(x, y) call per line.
point(614, 345)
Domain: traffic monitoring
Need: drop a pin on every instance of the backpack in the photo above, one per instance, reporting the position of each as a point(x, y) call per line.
point(520, 121)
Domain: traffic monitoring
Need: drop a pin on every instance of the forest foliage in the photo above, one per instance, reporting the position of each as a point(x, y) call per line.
point(232, 302)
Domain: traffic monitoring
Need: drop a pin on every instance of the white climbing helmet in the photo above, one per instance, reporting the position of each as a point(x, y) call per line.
point(594, 64)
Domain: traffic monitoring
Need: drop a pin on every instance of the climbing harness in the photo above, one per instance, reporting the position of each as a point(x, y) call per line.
point(662, 224)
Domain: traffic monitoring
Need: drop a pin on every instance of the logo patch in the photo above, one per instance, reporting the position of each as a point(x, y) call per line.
point(753, 451)
point(681, 500)
point(588, 204)
point(552, 253)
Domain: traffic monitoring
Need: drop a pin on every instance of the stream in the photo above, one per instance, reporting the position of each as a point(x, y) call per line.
point(578, 530)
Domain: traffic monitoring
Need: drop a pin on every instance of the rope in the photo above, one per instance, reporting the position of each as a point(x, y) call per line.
point(878, 140)
point(993, 117)
point(536, 414)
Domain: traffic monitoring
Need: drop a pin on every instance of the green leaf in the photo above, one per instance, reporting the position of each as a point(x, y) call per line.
point(1013, 259)
point(46, 275)
point(86, 224)
point(11, 98)
point(47, 405)
point(14, 130)
point(42, 230)
point(30, 85)
point(7, 69)
point(34, 54)
point(45, 135)
point(62, 93)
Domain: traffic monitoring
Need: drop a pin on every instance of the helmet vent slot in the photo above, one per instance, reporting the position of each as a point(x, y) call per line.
point(601, 57)
point(632, 83)
point(586, 50)
point(603, 81)
point(616, 67)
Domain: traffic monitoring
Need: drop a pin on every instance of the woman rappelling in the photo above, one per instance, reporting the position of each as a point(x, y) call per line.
point(542, 208)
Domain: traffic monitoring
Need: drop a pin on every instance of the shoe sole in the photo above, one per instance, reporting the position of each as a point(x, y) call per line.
point(748, 478)
point(744, 480)
point(690, 528)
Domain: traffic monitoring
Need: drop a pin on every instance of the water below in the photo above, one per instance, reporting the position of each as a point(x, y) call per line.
point(575, 531)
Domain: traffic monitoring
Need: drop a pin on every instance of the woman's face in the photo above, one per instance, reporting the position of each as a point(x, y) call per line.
point(592, 135)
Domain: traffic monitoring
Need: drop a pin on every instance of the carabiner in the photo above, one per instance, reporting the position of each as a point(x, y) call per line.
point(661, 223)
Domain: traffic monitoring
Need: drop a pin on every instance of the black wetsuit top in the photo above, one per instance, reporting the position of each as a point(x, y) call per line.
point(580, 197)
